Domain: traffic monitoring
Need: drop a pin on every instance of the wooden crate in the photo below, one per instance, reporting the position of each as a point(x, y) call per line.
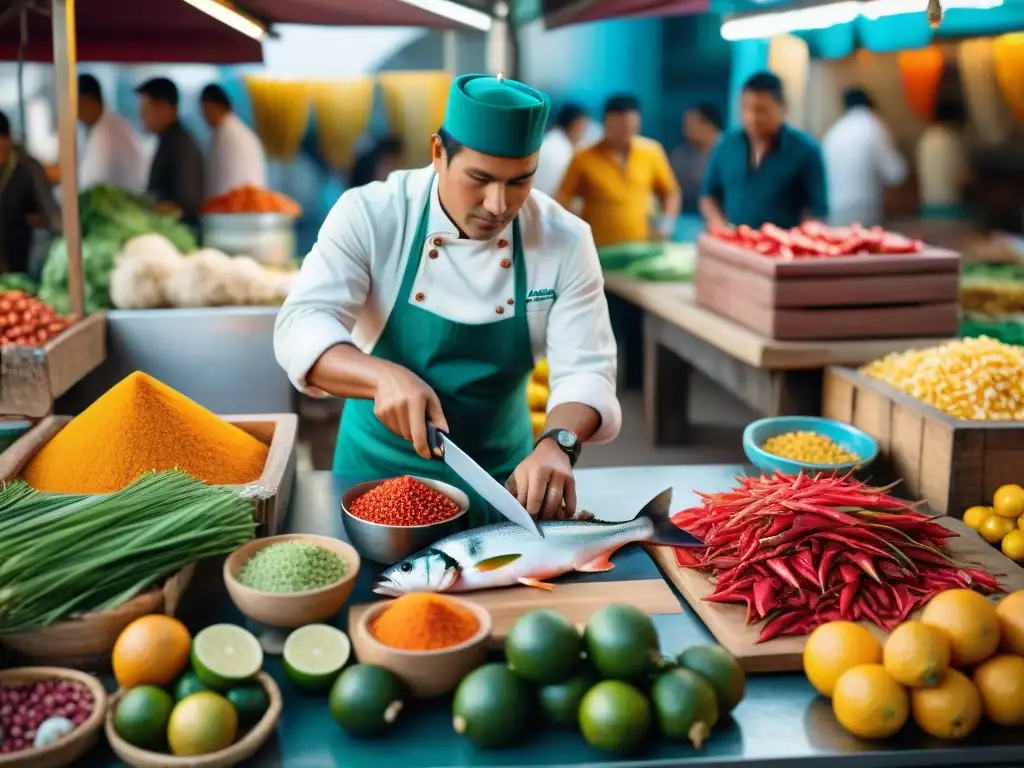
point(851, 297)
point(951, 463)
point(32, 379)
point(272, 491)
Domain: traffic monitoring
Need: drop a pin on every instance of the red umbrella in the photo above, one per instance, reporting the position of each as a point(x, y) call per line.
point(562, 13)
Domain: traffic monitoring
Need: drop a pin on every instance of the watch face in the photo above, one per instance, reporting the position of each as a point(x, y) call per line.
point(567, 439)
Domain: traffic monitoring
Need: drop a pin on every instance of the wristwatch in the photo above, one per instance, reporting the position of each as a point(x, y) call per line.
point(566, 440)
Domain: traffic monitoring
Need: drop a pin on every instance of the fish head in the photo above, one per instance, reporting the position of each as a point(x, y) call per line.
point(429, 570)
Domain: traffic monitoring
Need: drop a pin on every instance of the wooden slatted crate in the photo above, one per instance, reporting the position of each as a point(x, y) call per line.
point(951, 463)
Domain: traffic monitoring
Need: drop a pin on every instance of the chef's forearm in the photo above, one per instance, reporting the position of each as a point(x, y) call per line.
point(576, 417)
point(345, 371)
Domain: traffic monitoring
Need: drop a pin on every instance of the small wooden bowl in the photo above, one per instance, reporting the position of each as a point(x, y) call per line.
point(291, 609)
point(69, 749)
point(243, 749)
point(426, 673)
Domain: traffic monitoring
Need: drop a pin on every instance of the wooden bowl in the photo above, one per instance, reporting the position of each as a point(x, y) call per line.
point(69, 749)
point(291, 609)
point(243, 749)
point(426, 673)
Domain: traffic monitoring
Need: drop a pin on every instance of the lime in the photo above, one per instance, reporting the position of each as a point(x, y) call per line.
point(188, 684)
point(614, 716)
point(141, 716)
point(314, 656)
point(685, 705)
point(202, 723)
point(560, 702)
point(543, 646)
point(492, 706)
point(622, 643)
point(365, 700)
point(251, 702)
point(225, 655)
point(720, 668)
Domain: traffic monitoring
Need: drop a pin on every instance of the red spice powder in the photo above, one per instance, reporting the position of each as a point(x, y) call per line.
point(404, 501)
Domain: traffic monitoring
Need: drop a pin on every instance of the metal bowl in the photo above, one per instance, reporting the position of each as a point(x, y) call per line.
point(387, 544)
point(269, 238)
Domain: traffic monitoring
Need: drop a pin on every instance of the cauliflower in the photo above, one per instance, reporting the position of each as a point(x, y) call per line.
point(143, 273)
point(153, 244)
point(206, 279)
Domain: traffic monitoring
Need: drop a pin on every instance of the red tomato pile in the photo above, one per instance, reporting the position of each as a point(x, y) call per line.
point(815, 240)
point(25, 321)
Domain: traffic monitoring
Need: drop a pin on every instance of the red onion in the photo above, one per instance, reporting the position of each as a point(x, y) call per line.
point(23, 708)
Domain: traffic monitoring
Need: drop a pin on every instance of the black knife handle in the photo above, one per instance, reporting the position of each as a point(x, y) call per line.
point(434, 440)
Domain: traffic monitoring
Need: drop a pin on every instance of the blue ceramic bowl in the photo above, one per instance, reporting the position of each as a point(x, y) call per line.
point(848, 437)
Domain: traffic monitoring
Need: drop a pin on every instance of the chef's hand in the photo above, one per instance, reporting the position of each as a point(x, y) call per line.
point(404, 403)
point(543, 481)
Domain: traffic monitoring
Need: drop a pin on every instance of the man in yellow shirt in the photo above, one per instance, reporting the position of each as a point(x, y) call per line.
point(618, 179)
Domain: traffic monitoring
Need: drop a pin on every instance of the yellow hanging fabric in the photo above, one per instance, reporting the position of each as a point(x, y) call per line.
point(789, 58)
point(1008, 52)
point(343, 109)
point(416, 103)
point(921, 71)
point(280, 111)
point(985, 104)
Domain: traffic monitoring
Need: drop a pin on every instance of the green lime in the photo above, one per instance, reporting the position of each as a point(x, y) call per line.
point(685, 705)
point(560, 702)
point(314, 656)
point(492, 706)
point(614, 716)
point(720, 668)
point(141, 716)
point(366, 700)
point(188, 684)
point(622, 643)
point(204, 722)
point(225, 655)
point(251, 702)
point(543, 646)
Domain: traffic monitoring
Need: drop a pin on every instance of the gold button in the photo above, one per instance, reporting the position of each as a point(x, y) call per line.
point(500, 310)
point(438, 241)
point(503, 243)
point(506, 263)
point(433, 253)
point(510, 302)
point(420, 297)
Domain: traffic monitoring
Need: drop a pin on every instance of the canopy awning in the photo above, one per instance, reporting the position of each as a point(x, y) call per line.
point(561, 13)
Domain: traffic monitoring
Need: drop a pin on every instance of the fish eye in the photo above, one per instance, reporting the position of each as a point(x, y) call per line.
point(406, 567)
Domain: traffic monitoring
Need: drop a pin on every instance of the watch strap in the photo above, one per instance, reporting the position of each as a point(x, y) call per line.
point(573, 453)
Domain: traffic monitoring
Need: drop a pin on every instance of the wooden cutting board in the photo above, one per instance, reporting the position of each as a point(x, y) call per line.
point(727, 622)
point(577, 601)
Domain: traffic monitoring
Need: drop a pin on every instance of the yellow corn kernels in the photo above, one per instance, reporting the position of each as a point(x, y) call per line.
point(808, 447)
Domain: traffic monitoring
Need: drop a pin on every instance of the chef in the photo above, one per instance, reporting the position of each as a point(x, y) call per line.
point(235, 158)
point(431, 295)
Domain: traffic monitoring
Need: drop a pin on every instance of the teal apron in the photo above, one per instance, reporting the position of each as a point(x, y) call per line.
point(479, 372)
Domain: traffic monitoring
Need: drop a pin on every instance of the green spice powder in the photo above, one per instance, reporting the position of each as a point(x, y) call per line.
point(292, 566)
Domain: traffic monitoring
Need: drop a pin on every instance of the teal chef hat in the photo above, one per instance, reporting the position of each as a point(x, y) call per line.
point(496, 116)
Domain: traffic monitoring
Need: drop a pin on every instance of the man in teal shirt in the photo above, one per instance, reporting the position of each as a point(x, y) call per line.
point(766, 171)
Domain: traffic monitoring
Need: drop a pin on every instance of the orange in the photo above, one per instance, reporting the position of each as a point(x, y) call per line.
point(1011, 622)
point(1001, 683)
point(1008, 501)
point(917, 654)
point(974, 516)
point(869, 703)
point(970, 621)
point(1013, 545)
point(950, 710)
point(994, 528)
point(152, 650)
point(834, 648)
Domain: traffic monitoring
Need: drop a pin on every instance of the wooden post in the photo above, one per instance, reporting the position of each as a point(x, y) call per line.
point(65, 79)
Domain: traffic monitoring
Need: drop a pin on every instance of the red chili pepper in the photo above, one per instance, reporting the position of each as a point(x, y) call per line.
point(864, 562)
point(825, 564)
point(846, 597)
point(780, 568)
point(817, 509)
point(765, 596)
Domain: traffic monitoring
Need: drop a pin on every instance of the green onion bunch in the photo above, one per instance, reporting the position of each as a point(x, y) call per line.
point(64, 554)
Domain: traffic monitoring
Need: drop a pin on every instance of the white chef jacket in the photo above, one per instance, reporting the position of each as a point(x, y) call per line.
point(348, 284)
point(235, 158)
point(112, 154)
point(556, 152)
point(860, 159)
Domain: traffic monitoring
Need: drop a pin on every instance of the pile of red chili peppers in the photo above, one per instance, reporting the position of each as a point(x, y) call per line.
point(813, 239)
point(802, 551)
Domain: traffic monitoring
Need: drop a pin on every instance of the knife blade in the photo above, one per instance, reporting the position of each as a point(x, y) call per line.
point(462, 464)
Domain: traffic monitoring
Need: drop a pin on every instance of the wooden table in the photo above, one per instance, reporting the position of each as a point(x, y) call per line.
point(775, 378)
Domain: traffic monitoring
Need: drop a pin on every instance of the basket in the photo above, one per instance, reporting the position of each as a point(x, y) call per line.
point(86, 641)
point(68, 750)
point(241, 750)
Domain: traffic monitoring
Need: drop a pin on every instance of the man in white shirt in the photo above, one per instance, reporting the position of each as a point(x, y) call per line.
point(236, 155)
point(429, 297)
point(860, 159)
point(942, 166)
point(112, 153)
point(559, 146)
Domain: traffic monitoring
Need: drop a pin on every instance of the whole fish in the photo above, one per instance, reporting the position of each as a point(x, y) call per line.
point(504, 554)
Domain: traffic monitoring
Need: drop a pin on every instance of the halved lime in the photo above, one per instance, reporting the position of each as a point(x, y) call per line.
point(314, 656)
point(225, 655)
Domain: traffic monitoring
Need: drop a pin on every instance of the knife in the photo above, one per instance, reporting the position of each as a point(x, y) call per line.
point(477, 478)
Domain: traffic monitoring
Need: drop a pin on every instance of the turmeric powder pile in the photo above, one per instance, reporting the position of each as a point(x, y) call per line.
point(422, 621)
point(139, 425)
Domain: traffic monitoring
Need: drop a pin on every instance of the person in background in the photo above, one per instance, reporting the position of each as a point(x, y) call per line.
point(236, 156)
point(377, 163)
point(176, 174)
point(26, 203)
point(861, 159)
point(942, 167)
point(702, 128)
point(766, 171)
point(112, 153)
point(560, 143)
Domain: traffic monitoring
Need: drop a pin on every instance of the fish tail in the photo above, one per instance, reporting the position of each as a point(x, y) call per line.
point(667, 533)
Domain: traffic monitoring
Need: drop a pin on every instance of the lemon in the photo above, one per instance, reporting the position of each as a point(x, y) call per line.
point(1013, 545)
point(950, 710)
point(202, 723)
point(834, 648)
point(975, 516)
point(1008, 501)
point(969, 620)
point(994, 528)
point(917, 655)
point(868, 702)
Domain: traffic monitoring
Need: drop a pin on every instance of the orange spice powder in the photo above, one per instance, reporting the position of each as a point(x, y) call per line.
point(423, 621)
